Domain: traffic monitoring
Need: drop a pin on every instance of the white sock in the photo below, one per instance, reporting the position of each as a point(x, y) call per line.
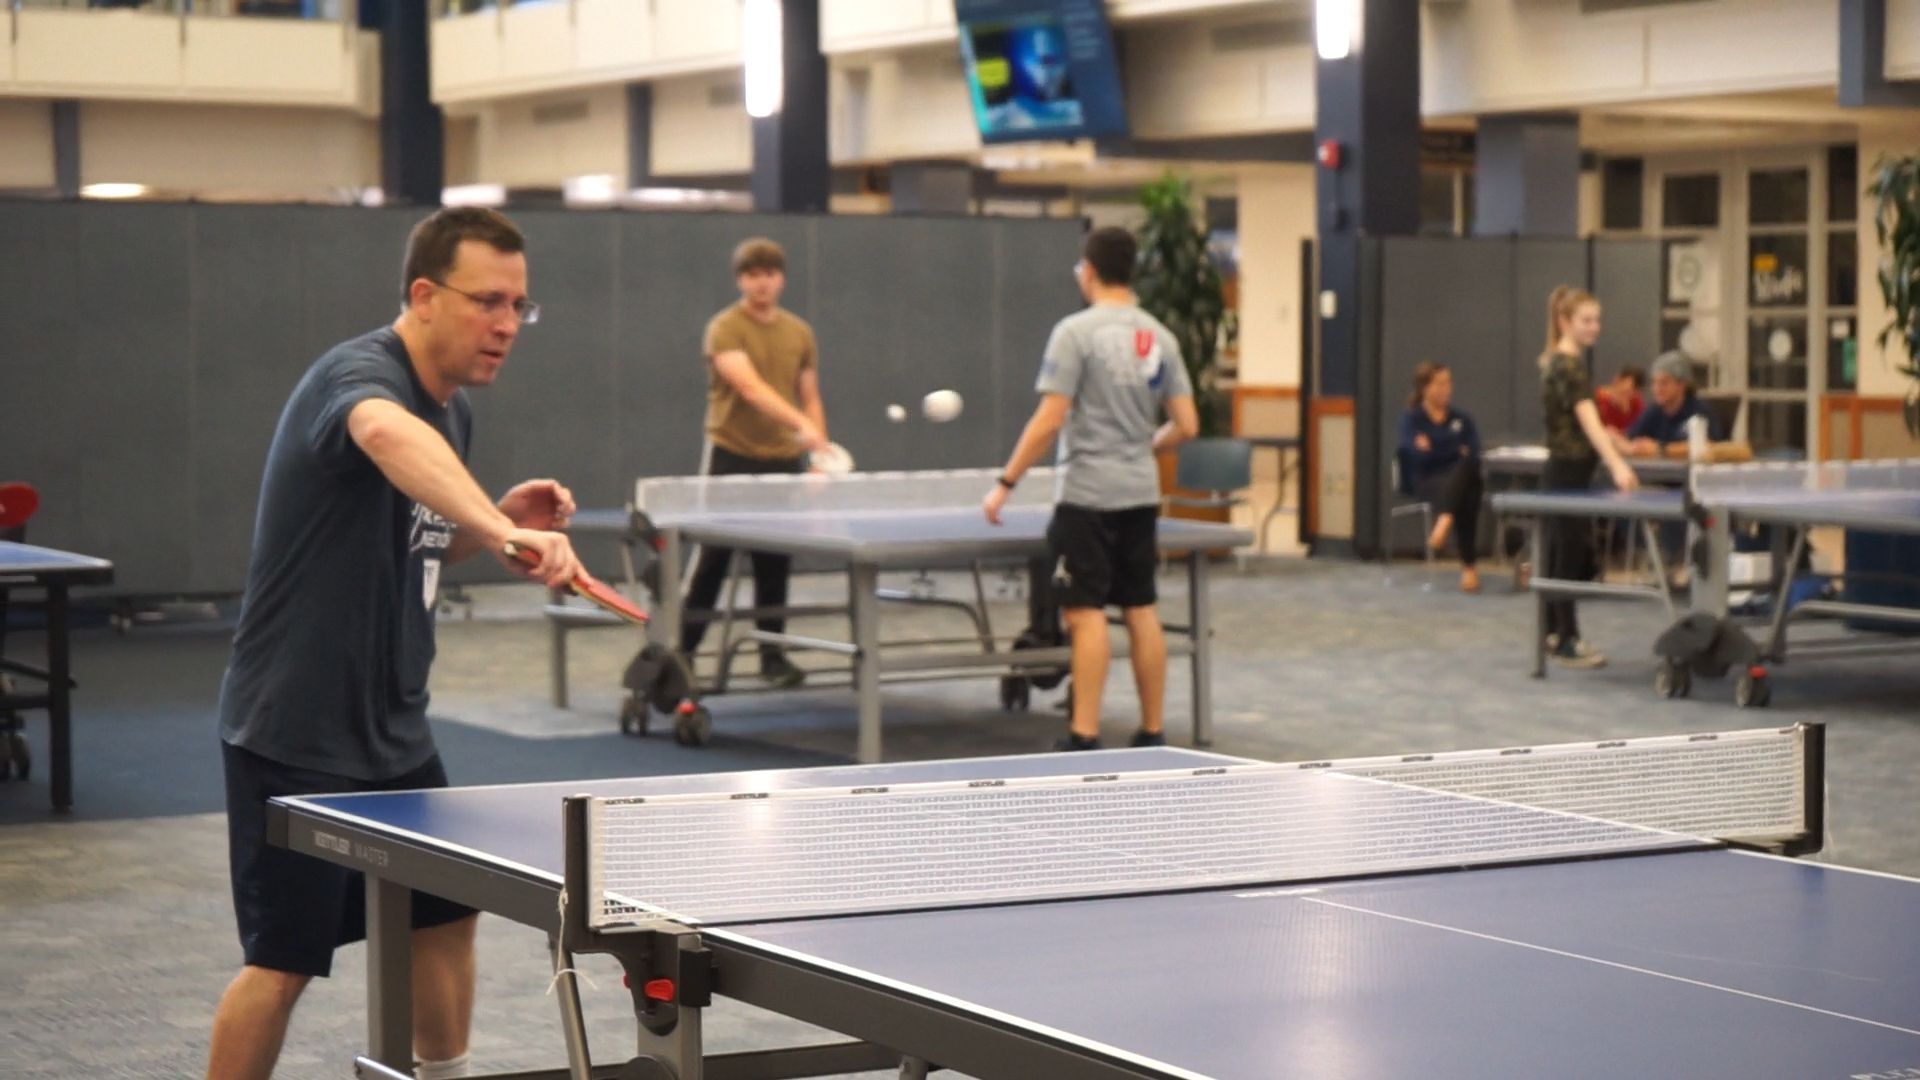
point(450, 1069)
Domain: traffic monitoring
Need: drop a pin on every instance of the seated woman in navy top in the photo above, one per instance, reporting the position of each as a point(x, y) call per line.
point(1440, 463)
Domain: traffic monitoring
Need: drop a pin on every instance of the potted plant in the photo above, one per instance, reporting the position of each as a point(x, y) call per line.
point(1176, 282)
point(1896, 219)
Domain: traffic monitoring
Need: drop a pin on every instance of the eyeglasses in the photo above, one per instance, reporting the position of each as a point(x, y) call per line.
point(497, 304)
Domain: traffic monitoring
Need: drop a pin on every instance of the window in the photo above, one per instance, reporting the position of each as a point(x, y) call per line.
point(1777, 197)
point(1843, 184)
point(1621, 194)
point(1691, 202)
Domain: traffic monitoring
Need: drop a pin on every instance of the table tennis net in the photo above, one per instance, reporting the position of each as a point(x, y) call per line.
point(799, 853)
point(936, 489)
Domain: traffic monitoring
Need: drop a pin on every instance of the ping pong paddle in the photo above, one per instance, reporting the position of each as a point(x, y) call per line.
point(17, 504)
point(587, 587)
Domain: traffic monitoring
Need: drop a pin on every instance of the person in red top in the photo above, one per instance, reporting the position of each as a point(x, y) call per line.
point(1620, 401)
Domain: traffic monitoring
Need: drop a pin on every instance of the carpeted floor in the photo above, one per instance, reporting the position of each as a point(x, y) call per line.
point(117, 936)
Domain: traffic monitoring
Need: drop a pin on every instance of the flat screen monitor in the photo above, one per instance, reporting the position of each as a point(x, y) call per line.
point(1040, 69)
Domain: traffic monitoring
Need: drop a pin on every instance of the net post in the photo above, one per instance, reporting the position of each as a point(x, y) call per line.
point(1813, 756)
point(576, 870)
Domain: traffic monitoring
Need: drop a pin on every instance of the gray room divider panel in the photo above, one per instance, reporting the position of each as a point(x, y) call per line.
point(1626, 278)
point(1446, 301)
point(1480, 305)
point(133, 348)
point(1539, 266)
point(148, 349)
point(39, 329)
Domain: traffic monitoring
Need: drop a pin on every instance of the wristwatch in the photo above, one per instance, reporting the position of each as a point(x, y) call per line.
point(1005, 483)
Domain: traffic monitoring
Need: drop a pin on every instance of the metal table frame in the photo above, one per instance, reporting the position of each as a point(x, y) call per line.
point(54, 573)
point(862, 562)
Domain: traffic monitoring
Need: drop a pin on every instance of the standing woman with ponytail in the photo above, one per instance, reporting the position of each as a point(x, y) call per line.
point(1577, 442)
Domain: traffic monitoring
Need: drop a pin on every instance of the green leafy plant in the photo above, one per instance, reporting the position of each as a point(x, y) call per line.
point(1177, 283)
point(1896, 219)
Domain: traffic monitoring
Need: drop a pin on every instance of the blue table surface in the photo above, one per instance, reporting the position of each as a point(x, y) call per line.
point(1696, 963)
point(1702, 964)
point(29, 559)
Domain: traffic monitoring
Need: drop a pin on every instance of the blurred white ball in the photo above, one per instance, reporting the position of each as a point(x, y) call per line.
point(896, 413)
point(941, 406)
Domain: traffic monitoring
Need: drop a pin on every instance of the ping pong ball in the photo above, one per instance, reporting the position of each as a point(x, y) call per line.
point(940, 406)
point(896, 413)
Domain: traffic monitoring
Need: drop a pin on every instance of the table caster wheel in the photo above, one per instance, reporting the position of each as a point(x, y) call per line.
point(1753, 691)
point(634, 715)
point(1672, 679)
point(692, 725)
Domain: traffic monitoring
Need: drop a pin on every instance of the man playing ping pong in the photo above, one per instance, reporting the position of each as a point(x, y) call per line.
point(1107, 374)
point(365, 495)
point(764, 415)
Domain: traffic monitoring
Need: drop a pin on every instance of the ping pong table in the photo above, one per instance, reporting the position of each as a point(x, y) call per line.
point(1793, 499)
point(1179, 914)
point(864, 524)
point(54, 573)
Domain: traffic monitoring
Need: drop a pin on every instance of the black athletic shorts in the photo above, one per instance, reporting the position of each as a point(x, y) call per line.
point(1103, 558)
point(294, 909)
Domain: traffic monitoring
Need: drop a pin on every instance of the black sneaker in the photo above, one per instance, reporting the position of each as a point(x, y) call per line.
point(780, 672)
point(1143, 737)
point(1077, 742)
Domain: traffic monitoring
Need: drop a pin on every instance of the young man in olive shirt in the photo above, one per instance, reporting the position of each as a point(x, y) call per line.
point(764, 415)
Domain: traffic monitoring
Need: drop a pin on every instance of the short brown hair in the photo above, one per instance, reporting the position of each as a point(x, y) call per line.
point(435, 241)
point(1424, 372)
point(1110, 250)
point(759, 253)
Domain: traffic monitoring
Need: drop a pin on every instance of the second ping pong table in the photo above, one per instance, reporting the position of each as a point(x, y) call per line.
point(1170, 913)
point(54, 573)
point(867, 523)
point(1792, 499)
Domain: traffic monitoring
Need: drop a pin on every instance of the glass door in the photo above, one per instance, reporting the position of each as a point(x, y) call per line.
point(1784, 358)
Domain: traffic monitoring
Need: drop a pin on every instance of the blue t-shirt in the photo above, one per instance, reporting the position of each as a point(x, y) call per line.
point(330, 657)
point(1654, 423)
point(1444, 439)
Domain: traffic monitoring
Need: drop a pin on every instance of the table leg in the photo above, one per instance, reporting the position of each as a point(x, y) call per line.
point(1200, 627)
point(59, 699)
point(390, 973)
point(863, 607)
point(557, 661)
point(1537, 547)
point(1710, 591)
point(573, 1028)
point(664, 628)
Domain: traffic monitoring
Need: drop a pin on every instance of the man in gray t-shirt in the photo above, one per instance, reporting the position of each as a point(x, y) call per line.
point(1108, 373)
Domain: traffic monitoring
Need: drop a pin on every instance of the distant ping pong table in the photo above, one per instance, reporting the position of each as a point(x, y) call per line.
point(866, 523)
point(54, 573)
point(1177, 914)
point(1795, 499)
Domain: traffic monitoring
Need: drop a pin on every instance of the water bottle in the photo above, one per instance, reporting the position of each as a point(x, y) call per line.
point(1697, 438)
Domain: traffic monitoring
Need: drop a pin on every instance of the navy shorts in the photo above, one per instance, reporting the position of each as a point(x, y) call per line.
point(1104, 558)
point(294, 909)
